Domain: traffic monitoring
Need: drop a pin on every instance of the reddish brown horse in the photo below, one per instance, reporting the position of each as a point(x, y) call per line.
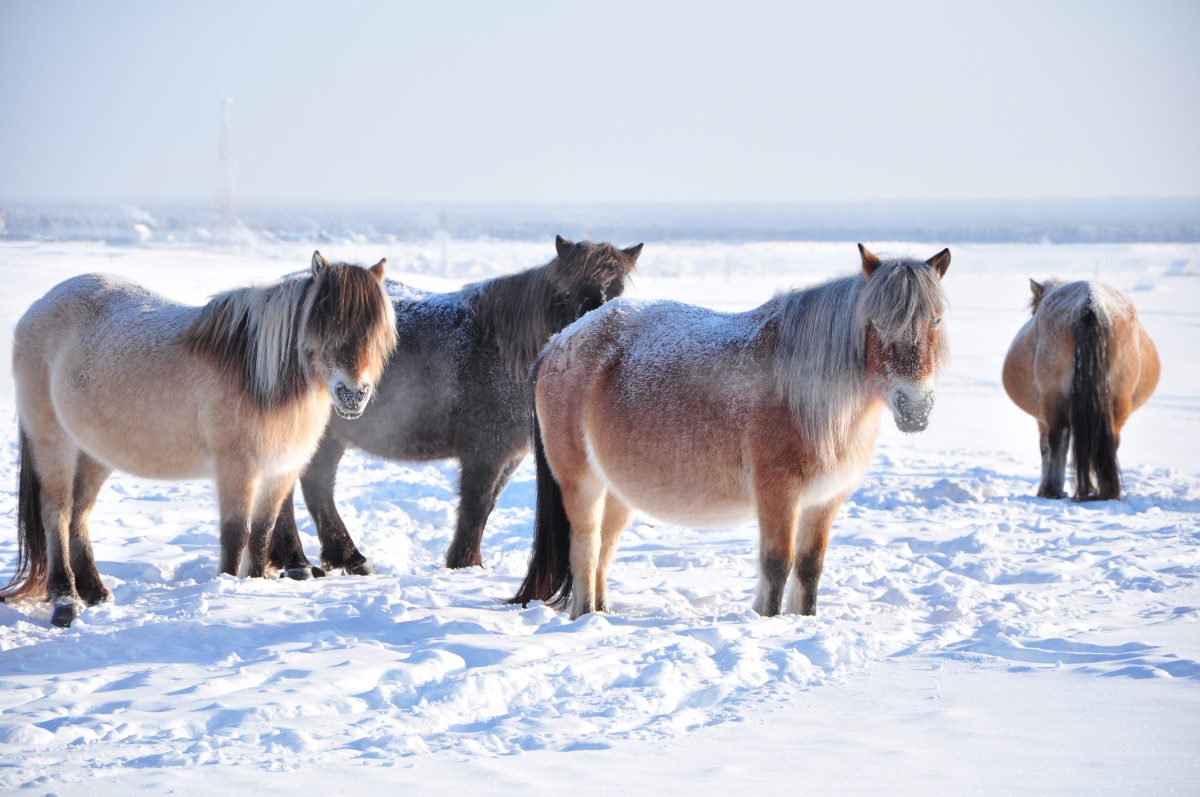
point(706, 419)
point(1081, 365)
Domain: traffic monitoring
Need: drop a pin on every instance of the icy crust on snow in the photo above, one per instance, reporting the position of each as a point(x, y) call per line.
point(941, 553)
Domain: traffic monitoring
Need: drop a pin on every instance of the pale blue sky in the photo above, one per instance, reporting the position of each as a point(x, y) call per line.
point(609, 101)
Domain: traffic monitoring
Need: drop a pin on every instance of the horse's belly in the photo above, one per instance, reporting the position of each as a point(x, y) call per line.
point(703, 495)
point(695, 514)
point(135, 444)
point(132, 452)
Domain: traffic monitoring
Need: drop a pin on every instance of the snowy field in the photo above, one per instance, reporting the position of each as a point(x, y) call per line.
point(970, 637)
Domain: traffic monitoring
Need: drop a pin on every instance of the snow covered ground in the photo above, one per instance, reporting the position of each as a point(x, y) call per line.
point(970, 636)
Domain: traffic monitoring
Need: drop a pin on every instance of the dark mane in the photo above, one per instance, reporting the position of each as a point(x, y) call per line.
point(522, 311)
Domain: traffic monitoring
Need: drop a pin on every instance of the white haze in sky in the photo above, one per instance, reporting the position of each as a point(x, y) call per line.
point(612, 101)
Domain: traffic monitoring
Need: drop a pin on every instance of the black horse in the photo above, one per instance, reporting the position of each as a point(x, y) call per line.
point(456, 386)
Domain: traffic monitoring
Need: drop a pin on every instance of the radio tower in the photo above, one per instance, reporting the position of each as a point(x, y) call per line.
point(227, 219)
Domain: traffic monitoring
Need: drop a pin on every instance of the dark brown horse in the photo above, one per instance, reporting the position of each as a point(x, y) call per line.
point(456, 386)
point(703, 419)
point(1081, 365)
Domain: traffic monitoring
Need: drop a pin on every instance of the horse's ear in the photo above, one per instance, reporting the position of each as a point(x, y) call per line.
point(1037, 288)
point(377, 269)
point(940, 262)
point(562, 245)
point(632, 252)
point(869, 262)
point(319, 264)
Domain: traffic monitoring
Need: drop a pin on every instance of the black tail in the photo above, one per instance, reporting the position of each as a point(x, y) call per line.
point(1097, 475)
point(31, 535)
point(549, 576)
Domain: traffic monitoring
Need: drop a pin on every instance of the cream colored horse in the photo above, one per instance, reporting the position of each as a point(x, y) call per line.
point(110, 376)
point(1081, 365)
point(702, 419)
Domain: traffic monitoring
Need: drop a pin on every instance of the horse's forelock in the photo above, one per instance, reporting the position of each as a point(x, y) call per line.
point(598, 264)
point(348, 307)
point(897, 296)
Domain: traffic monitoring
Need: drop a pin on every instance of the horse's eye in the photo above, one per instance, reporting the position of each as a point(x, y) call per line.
point(936, 322)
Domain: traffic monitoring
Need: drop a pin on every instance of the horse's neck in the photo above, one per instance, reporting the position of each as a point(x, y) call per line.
point(828, 395)
point(517, 311)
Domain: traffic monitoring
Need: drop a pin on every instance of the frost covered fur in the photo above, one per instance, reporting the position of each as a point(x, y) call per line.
point(702, 418)
point(457, 386)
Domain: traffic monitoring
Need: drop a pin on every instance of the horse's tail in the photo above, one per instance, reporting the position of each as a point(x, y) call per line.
point(31, 572)
point(549, 576)
point(1097, 475)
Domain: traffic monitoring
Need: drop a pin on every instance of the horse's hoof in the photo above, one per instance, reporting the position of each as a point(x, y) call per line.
point(318, 572)
point(361, 569)
point(303, 573)
point(457, 561)
point(64, 614)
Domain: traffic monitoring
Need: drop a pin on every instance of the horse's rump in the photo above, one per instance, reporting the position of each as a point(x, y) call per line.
point(1080, 365)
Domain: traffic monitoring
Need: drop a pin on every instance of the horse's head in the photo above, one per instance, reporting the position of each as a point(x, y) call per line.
point(902, 305)
point(349, 331)
point(586, 275)
point(1039, 291)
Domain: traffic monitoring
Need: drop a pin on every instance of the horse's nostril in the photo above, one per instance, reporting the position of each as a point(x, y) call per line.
point(351, 397)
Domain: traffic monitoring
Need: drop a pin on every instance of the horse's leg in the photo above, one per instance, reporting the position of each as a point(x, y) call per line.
point(812, 538)
point(338, 551)
point(271, 494)
point(54, 458)
point(478, 488)
point(616, 518)
point(89, 478)
point(1055, 439)
point(55, 462)
point(286, 553)
point(235, 497)
point(583, 501)
point(778, 509)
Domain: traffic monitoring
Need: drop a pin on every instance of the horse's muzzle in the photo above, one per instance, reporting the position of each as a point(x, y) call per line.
point(911, 414)
point(349, 403)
